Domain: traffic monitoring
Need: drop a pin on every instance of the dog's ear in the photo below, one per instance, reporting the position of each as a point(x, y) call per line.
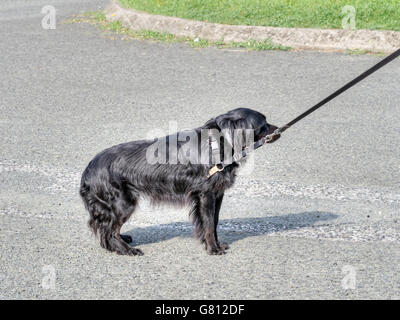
point(211, 124)
point(233, 129)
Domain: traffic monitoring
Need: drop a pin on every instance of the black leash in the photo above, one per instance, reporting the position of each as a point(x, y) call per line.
point(353, 82)
point(270, 137)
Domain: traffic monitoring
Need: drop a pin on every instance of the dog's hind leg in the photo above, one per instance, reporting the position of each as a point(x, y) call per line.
point(106, 220)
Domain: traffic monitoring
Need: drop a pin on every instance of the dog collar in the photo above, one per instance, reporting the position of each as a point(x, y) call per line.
point(215, 156)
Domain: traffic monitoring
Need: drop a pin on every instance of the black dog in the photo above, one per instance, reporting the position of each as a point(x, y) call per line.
point(115, 179)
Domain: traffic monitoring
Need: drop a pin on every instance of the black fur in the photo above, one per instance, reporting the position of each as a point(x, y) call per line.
point(117, 177)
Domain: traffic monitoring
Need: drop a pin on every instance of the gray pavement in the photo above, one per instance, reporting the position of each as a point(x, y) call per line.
point(316, 217)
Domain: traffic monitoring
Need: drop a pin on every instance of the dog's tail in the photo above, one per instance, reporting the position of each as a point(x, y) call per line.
point(194, 214)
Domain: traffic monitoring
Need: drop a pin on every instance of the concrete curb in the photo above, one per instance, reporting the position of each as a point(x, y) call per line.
point(297, 38)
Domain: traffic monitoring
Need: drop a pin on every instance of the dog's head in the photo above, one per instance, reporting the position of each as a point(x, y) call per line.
point(236, 123)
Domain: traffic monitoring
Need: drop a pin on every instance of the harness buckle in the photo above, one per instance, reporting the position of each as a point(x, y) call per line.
point(271, 136)
point(217, 168)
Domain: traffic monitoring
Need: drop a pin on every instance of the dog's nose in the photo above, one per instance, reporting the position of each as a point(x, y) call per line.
point(271, 130)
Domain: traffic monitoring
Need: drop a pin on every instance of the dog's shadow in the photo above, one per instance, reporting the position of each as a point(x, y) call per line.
point(231, 230)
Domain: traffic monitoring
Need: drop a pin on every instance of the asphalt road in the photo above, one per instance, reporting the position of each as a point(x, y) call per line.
point(317, 217)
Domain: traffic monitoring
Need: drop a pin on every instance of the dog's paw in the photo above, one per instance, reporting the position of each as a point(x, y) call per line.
point(131, 252)
point(223, 246)
point(136, 252)
point(216, 251)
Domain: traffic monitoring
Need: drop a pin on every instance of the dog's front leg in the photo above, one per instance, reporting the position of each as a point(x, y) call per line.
point(218, 203)
point(208, 206)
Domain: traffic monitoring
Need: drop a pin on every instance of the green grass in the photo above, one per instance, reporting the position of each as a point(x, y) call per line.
point(370, 14)
point(116, 27)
